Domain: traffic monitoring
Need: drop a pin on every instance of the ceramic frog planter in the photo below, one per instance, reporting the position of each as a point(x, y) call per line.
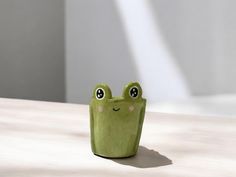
point(116, 122)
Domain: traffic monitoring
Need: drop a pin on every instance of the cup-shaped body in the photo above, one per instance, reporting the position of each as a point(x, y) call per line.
point(116, 122)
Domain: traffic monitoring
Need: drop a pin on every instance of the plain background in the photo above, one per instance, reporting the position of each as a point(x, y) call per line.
point(32, 49)
point(58, 50)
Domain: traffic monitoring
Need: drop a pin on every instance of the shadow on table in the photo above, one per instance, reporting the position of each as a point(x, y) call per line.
point(145, 158)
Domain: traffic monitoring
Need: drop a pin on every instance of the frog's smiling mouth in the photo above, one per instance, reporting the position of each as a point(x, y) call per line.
point(116, 109)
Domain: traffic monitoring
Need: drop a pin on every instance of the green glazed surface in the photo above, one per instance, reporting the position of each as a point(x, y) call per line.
point(116, 122)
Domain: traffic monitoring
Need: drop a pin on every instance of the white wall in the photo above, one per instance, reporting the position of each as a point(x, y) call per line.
point(158, 73)
point(201, 36)
point(103, 44)
point(32, 49)
point(96, 49)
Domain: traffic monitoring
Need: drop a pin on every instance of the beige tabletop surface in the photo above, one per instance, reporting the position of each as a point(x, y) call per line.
point(52, 140)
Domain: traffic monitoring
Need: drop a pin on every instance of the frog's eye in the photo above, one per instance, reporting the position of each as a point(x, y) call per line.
point(134, 92)
point(100, 93)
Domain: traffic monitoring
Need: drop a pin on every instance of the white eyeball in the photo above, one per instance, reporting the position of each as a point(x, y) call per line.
point(134, 92)
point(100, 93)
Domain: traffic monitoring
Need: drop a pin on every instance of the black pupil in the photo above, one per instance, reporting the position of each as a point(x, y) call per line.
point(100, 94)
point(134, 92)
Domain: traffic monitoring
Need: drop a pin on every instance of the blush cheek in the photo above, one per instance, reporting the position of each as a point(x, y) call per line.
point(131, 108)
point(100, 108)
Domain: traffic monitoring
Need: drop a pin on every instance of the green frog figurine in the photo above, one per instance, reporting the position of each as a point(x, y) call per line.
point(116, 122)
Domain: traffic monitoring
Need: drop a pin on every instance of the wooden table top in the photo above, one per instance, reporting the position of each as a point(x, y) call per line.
point(52, 140)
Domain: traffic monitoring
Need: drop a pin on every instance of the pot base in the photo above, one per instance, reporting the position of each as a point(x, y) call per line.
point(108, 157)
